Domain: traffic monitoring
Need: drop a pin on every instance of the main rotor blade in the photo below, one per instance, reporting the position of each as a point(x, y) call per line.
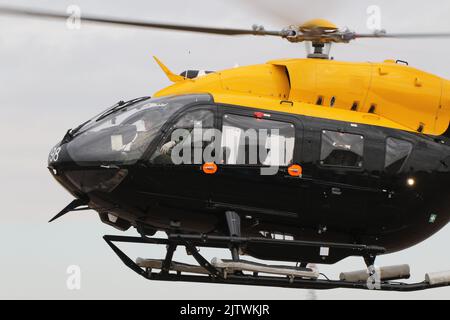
point(403, 35)
point(276, 13)
point(145, 24)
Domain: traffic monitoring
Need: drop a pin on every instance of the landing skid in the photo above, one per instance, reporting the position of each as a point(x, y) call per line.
point(233, 272)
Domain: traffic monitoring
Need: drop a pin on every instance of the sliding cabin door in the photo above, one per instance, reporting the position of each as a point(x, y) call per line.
point(337, 157)
point(257, 149)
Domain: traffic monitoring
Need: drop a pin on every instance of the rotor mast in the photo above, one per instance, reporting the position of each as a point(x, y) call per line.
point(319, 50)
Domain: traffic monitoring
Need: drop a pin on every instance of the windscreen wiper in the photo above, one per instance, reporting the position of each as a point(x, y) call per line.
point(120, 106)
point(116, 107)
point(72, 132)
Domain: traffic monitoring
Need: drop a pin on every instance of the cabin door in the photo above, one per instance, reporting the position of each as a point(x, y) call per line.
point(257, 148)
point(339, 185)
point(174, 171)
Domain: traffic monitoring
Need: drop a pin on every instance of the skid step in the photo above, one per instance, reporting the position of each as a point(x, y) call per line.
point(230, 266)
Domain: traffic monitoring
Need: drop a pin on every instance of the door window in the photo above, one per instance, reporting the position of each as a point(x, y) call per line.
point(185, 141)
point(254, 141)
point(342, 149)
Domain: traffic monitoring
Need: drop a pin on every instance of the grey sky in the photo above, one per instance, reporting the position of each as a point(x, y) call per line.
point(52, 79)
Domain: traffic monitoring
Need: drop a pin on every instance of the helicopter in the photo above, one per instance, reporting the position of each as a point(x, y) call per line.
point(306, 161)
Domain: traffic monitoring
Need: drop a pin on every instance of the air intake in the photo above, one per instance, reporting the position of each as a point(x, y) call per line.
point(192, 74)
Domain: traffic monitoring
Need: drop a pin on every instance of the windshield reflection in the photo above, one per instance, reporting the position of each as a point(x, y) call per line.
point(122, 135)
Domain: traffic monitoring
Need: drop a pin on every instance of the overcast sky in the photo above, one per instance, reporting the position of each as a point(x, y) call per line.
point(52, 79)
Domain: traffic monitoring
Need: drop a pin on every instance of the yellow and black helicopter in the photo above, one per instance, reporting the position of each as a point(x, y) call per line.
point(299, 160)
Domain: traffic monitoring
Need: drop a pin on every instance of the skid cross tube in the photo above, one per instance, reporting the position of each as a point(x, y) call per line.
point(216, 275)
point(168, 260)
point(202, 261)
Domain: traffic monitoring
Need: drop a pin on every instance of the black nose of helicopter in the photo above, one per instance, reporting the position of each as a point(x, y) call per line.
point(59, 165)
point(80, 180)
point(96, 156)
point(86, 159)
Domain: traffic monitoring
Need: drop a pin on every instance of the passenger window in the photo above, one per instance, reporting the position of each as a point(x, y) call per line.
point(182, 134)
point(397, 151)
point(254, 141)
point(342, 149)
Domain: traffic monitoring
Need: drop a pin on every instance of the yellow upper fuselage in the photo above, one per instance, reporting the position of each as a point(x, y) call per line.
point(382, 94)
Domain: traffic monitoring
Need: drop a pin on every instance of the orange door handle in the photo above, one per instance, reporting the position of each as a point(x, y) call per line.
point(209, 168)
point(295, 170)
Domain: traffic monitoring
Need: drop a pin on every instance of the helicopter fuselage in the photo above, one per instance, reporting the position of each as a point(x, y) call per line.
point(367, 178)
